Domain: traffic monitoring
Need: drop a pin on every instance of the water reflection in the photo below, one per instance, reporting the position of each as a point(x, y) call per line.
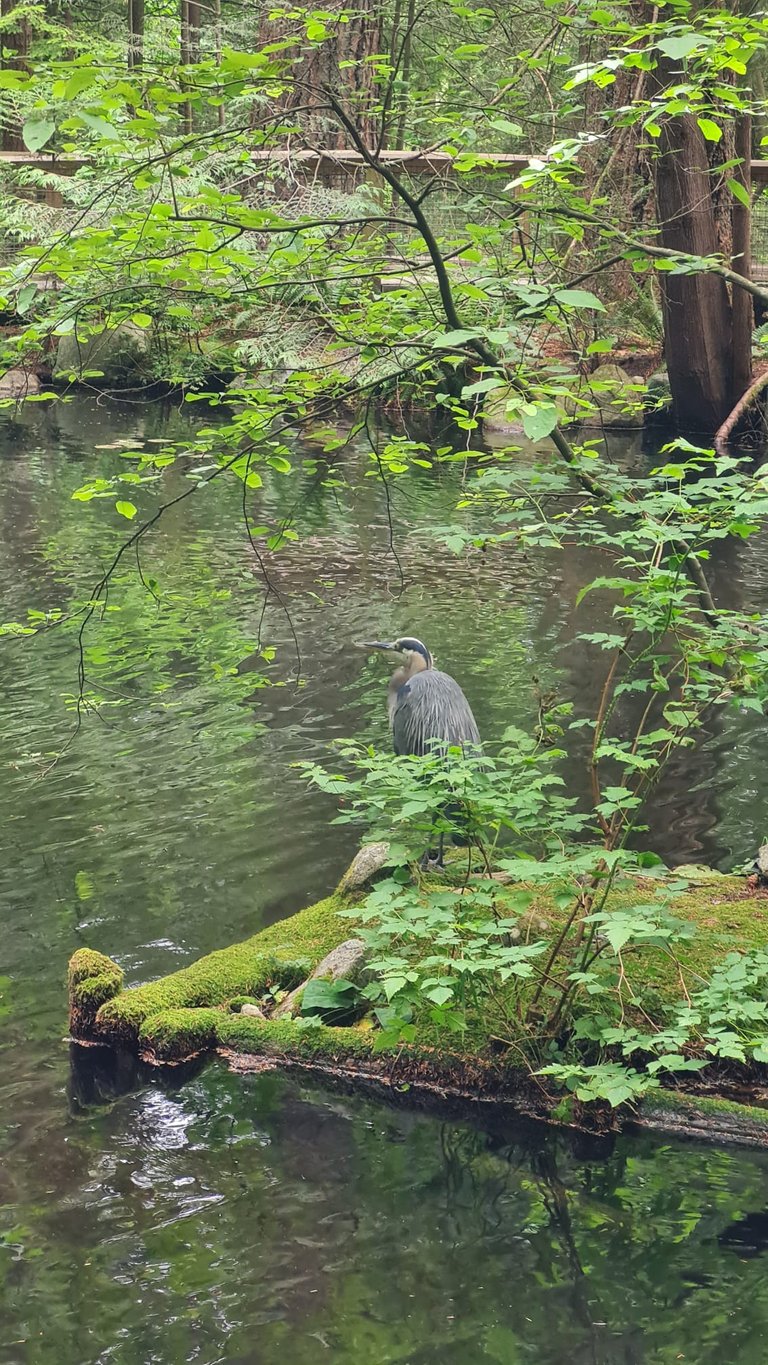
point(261, 1219)
point(226, 1219)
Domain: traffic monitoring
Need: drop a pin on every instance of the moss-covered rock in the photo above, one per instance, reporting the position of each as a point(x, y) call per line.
point(119, 355)
point(365, 866)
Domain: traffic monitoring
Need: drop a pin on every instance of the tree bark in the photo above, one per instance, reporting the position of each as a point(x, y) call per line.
point(15, 47)
point(742, 304)
point(135, 34)
point(220, 114)
point(185, 59)
point(319, 68)
point(697, 308)
point(404, 75)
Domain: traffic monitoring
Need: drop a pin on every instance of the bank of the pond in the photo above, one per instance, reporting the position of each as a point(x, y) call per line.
point(217, 1005)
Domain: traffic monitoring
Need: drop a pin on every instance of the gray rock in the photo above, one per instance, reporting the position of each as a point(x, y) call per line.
point(495, 411)
point(761, 862)
point(253, 1010)
point(346, 962)
point(616, 397)
point(18, 384)
point(658, 394)
point(120, 353)
point(368, 860)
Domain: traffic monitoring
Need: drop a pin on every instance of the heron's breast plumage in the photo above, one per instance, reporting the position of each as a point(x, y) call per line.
point(430, 705)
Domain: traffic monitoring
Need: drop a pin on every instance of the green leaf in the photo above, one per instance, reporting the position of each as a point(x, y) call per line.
point(503, 125)
point(327, 997)
point(739, 192)
point(683, 44)
point(142, 319)
point(649, 859)
point(602, 346)
point(483, 386)
point(579, 298)
point(456, 338)
point(78, 81)
point(11, 80)
point(439, 995)
point(99, 125)
point(25, 298)
point(711, 130)
point(126, 509)
point(36, 132)
point(541, 422)
point(393, 984)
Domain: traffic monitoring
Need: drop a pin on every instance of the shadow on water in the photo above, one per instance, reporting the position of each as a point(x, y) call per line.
point(213, 1218)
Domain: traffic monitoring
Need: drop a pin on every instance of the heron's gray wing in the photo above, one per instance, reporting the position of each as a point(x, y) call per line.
point(431, 705)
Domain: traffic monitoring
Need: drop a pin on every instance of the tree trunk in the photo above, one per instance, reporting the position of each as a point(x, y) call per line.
point(317, 69)
point(697, 309)
point(220, 114)
point(15, 46)
point(185, 59)
point(194, 12)
point(742, 303)
point(135, 33)
point(404, 75)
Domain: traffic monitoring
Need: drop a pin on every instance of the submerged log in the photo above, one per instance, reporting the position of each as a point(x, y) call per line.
point(221, 1004)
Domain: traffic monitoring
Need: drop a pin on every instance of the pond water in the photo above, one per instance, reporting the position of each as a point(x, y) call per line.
point(227, 1219)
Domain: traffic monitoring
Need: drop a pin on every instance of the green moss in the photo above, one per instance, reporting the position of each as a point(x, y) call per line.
point(86, 963)
point(96, 990)
point(93, 979)
point(727, 918)
point(175, 1035)
point(677, 1102)
point(284, 1038)
point(283, 955)
point(192, 1011)
point(706, 1117)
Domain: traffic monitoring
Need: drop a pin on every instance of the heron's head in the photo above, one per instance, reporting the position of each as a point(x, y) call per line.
point(415, 655)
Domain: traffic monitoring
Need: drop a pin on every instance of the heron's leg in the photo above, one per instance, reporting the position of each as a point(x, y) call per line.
point(431, 857)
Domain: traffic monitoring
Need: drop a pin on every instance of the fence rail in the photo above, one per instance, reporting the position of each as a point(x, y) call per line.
point(417, 162)
point(342, 169)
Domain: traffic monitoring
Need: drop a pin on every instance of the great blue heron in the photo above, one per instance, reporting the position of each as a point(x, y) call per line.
point(426, 706)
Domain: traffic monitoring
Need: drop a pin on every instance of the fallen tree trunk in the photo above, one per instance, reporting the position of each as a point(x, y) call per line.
point(198, 1011)
point(726, 430)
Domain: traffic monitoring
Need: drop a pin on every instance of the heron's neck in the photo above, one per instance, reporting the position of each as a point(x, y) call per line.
point(401, 675)
point(416, 664)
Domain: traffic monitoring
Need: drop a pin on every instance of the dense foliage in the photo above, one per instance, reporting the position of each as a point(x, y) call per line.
point(228, 202)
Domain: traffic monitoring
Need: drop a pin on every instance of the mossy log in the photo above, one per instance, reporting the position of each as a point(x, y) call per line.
point(195, 1011)
point(92, 979)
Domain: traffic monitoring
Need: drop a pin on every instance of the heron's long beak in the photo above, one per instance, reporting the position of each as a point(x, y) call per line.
point(377, 644)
